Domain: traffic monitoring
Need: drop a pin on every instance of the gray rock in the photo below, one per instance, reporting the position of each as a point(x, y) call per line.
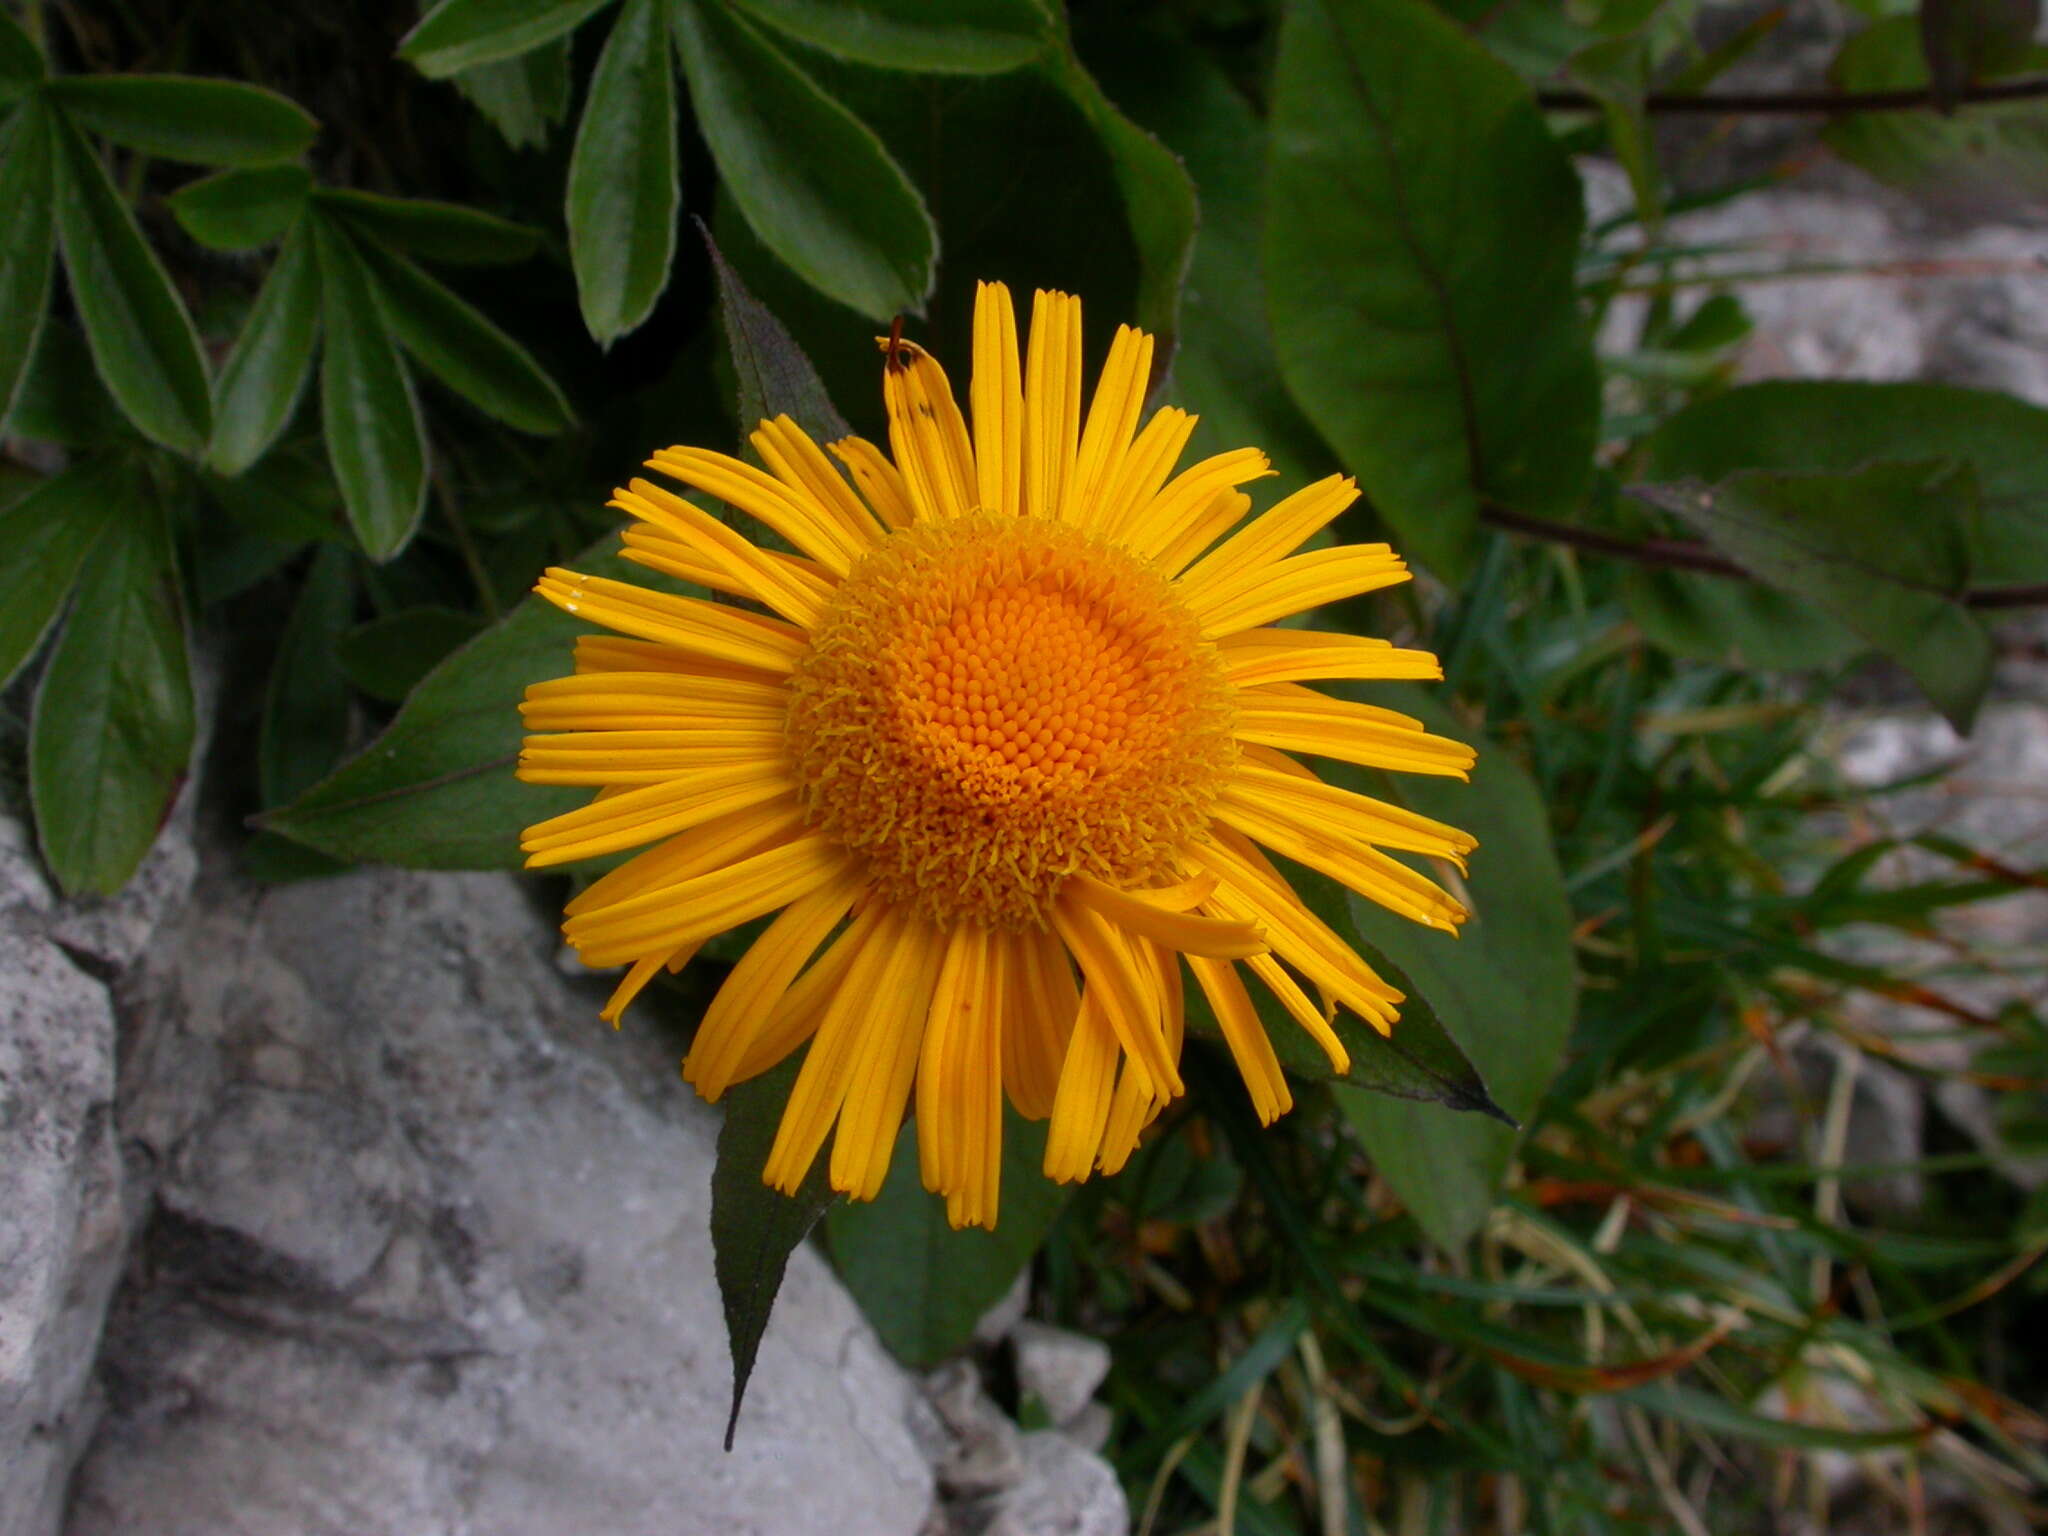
point(1062, 1369)
point(1064, 1491)
point(997, 1481)
point(431, 1255)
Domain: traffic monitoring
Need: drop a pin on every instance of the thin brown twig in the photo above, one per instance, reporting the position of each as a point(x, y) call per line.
point(1803, 103)
point(1687, 555)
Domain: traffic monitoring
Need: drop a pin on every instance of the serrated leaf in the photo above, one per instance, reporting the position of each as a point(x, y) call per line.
point(754, 1229)
point(810, 178)
point(388, 657)
point(453, 341)
point(261, 381)
point(461, 34)
point(525, 98)
point(450, 234)
point(1504, 988)
point(306, 706)
point(375, 438)
point(1815, 425)
point(142, 341)
point(45, 537)
point(241, 210)
point(1884, 549)
point(623, 187)
point(113, 721)
point(183, 117)
point(436, 790)
point(962, 37)
point(921, 1283)
point(1422, 233)
point(774, 375)
point(29, 252)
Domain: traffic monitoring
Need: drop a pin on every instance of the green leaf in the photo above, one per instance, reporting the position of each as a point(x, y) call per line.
point(1505, 987)
point(1813, 425)
point(1738, 623)
point(61, 399)
point(375, 438)
point(242, 209)
point(623, 187)
point(27, 254)
point(181, 117)
point(1963, 41)
point(388, 657)
point(525, 98)
point(448, 233)
point(1995, 150)
point(773, 374)
point(142, 340)
point(465, 351)
point(461, 34)
point(1422, 233)
point(306, 708)
point(263, 377)
point(754, 1229)
point(436, 790)
point(113, 721)
point(963, 37)
point(811, 178)
point(21, 62)
point(922, 1284)
point(1722, 1417)
point(44, 539)
point(1882, 549)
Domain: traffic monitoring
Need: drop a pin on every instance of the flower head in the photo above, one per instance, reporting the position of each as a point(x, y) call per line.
point(1002, 744)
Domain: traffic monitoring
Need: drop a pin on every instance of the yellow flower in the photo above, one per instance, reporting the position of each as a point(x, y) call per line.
point(1000, 743)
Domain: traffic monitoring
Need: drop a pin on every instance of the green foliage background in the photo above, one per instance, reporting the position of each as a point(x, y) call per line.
point(323, 331)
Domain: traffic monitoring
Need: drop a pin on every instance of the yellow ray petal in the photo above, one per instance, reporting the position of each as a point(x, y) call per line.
point(885, 1057)
point(700, 908)
point(1039, 1019)
point(724, 841)
point(615, 653)
point(795, 1019)
point(651, 811)
point(959, 1083)
point(1366, 870)
point(1256, 656)
point(997, 394)
point(1112, 418)
point(687, 624)
point(926, 431)
point(1139, 912)
point(1294, 719)
point(1304, 799)
point(1311, 1018)
point(1273, 536)
point(593, 758)
point(735, 564)
point(1164, 530)
point(1052, 402)
point(879, 480)
point(790, 510)
point(1126, 994)
point(1250, 1046)
point(790, 454)
point(755, 987)
point(1144, 470)
point(1081, 1105)
point(1295, 585)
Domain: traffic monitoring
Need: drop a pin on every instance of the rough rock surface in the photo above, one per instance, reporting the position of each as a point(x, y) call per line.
point(429, 1254)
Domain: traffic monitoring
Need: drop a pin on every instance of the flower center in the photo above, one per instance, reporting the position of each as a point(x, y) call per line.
point(991, 704)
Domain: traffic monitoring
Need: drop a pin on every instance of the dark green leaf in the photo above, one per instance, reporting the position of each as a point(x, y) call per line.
point(141, 338)
point(810, 177)
point(1991, 153)
point(1724, 1417)
point(465, 351)
point(388, 657)
point(448, 233)
point(113, 719)
point(375, 438)
point(774, 375)
point(180, 117)
point(1829, 425)
point(922, 1284)
point(1884, 550)
point(1422, 233)
point(44, 539)
point(1740, 623)
point(623, 190)
point(61, 398)
point(461, 34)
point(1504, 987)
point(27, 254)
point(260, 383)
point(306, 709)
point(963, 37)
point(525, 98)
point(1964, 41)
point(754, 1229)
point(436, 790)
point(21, 64)
point(241, 210)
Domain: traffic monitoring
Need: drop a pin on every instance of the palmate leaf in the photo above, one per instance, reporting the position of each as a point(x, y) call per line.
point(460, 34)
point(968, 37)
point(240, 210)
point(44, 539)
point(263, 377)
point(179, 117)
point(29, 252)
